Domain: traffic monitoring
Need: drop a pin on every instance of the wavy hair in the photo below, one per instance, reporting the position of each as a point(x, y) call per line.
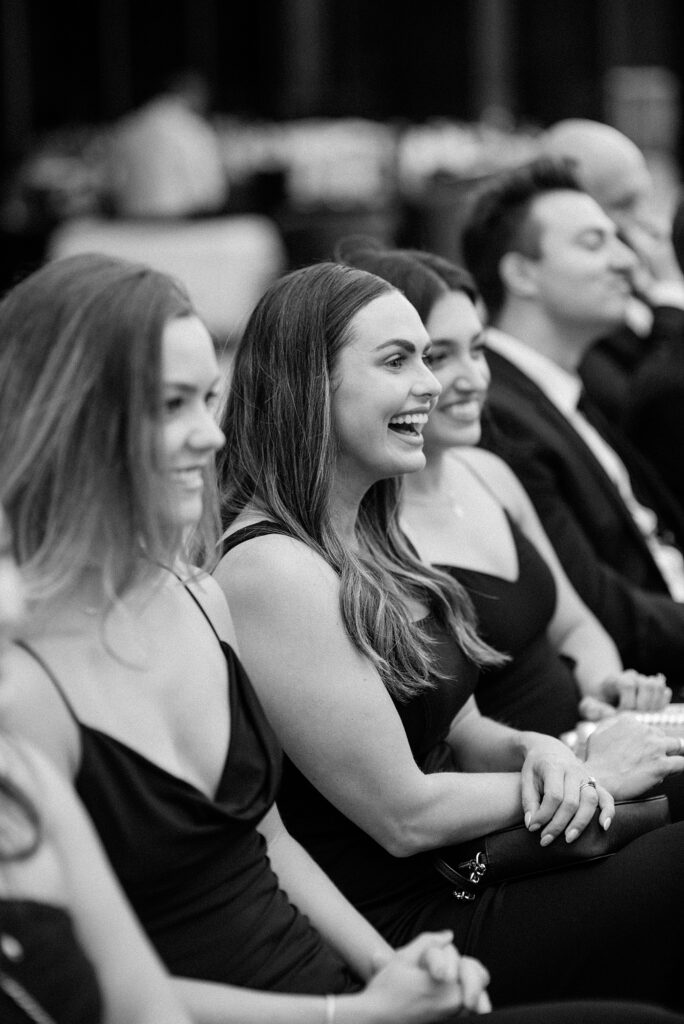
point(80, 399)
point(280, 455)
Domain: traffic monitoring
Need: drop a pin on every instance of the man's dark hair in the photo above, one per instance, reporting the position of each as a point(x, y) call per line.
point(500, 222)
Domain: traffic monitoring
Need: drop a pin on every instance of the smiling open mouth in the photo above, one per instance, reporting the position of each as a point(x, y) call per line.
point(408, 423)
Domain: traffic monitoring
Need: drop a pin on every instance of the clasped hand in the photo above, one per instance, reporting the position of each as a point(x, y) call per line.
point(428, 980)
point(631, 758)
point(555, 795)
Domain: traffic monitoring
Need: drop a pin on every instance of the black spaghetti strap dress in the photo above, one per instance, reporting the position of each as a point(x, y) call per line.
point(603, 930)
point(536, 689)
point(193, 867)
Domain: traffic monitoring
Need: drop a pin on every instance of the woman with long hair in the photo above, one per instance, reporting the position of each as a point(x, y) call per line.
point(71, 951)
point(468, 514)
point(127, 680)
point(365, 660)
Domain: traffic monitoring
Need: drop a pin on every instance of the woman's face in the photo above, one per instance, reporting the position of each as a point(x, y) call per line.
point(383, 392)
point(189, 433)
point(457, 359)
point(11, 590)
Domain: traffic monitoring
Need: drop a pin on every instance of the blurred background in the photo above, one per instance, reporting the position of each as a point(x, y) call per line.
point(330, 117)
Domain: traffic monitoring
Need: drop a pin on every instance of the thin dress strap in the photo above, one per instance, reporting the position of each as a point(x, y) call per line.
point(261, 529)
point(480, 479)
point(31, 651)
point(199, 604)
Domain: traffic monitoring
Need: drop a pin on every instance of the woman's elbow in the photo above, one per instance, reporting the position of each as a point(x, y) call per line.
point(402, 837)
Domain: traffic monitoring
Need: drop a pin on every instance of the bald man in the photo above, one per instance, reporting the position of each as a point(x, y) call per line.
point(613, 170)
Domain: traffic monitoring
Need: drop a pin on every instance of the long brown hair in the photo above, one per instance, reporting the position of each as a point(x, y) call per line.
point(280, 455)
point(80, 397)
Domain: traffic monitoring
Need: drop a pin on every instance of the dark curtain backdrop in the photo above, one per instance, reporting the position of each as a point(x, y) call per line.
point(84, 61)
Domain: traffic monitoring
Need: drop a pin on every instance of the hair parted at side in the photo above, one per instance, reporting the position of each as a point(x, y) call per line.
point(279, 459)
point(80, 398)
point(424, 277)
point(499, 222)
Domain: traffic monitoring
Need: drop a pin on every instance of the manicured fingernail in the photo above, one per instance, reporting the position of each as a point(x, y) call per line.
point(528, 815)
point(572, 834)
point(535, 827)
point(607, 823)
point(545, 840)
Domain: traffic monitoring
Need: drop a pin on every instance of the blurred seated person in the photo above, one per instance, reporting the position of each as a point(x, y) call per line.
point(71, 951)
point(166, 157)
point(554, 275)
point(612, 169)
point(655, 405)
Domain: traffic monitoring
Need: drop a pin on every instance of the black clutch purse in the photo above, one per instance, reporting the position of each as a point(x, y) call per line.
point(515, 853)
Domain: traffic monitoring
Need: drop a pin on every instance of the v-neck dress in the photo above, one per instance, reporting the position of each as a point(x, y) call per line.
point(536, 689)
point(193, 866)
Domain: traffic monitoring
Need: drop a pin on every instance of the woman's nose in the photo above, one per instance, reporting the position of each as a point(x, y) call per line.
point(207, 433)
point(427, 384)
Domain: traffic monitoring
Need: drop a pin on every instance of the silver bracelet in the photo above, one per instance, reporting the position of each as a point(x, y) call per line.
point(330, 1006)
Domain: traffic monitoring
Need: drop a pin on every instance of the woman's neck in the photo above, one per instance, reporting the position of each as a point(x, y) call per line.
point(345, 498)
point(431, 481)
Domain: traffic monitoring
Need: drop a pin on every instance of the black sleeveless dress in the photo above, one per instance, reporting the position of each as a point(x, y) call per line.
point(43, 964)
point(194, 868)
point(536, 689)
point(606, 930)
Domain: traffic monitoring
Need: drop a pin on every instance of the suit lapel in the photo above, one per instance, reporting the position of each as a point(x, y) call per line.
point(524, 390)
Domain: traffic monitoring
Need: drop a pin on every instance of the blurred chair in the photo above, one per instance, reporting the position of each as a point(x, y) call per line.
point(226, 263)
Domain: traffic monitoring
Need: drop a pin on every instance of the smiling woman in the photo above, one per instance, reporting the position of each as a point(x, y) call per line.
point(366, 658)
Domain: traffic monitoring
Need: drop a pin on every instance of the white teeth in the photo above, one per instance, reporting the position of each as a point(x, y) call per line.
point(414, 417)
point(190, 475)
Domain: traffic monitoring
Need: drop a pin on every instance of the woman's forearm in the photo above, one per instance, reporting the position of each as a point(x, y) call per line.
point(211, 1003)
point(312, 892)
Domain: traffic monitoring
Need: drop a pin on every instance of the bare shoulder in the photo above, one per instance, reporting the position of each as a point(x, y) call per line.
point(495, 474)
point(32, 709)
point(275, 564)
point(279, 576)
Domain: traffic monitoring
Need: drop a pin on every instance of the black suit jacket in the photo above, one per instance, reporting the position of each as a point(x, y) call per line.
point(655, 413)
point(596, 539)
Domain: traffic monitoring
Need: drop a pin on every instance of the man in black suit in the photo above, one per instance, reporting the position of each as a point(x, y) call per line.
point(554, 275)
point(613, 170)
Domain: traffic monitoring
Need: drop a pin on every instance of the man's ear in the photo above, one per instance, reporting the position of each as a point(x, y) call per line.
point(518, 274)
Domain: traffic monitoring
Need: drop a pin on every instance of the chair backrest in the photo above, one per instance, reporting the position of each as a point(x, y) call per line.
point(226, 263)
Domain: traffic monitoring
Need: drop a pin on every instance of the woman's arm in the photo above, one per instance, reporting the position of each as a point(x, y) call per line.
point(425, 981)
point(333, 715)
point(574, 629)
point(312, 892)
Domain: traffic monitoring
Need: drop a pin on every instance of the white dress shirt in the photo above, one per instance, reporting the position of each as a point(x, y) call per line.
point(563, 389)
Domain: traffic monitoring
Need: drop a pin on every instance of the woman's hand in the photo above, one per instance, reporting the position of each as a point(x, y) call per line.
point(630, 758)
point(427, 980)
point(558, 792)
point(631, 691)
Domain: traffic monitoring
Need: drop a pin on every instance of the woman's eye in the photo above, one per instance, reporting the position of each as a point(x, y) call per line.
point(172, 405)
point(396, 361)
point(211, 400)
point(434, 358)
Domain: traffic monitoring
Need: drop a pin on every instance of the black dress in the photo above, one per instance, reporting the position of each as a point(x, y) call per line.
point(536, 689)
point(602, 930)
point(195, 869)
point(42, 964)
